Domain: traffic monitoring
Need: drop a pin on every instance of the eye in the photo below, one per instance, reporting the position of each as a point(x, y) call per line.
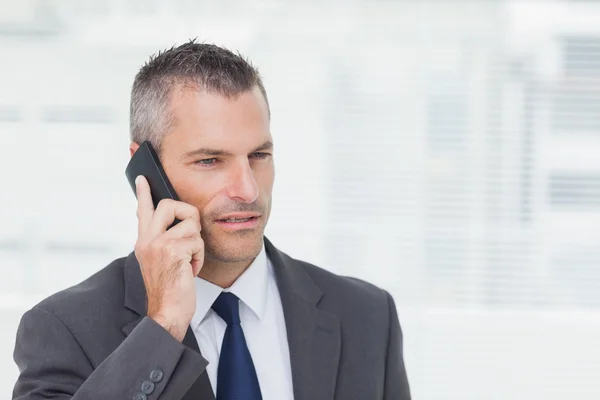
point(207, 162)
point(260, 156)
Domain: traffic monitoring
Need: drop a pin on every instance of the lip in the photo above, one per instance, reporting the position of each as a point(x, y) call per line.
point(239, 215)
point(234, 226)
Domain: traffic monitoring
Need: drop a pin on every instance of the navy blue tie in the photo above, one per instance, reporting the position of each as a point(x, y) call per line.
point(236, 376)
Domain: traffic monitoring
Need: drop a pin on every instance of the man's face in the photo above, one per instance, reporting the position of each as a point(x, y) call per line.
point(219, 158)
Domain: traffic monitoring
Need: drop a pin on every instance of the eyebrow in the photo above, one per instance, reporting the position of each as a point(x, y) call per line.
point(210, 152)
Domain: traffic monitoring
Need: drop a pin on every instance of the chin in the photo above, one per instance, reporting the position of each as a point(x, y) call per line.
point(234, 247)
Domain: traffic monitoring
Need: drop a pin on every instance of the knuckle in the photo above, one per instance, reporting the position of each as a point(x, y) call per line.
point(192, 227)
point(196, 224)
point(192, 210)
point(164, 204)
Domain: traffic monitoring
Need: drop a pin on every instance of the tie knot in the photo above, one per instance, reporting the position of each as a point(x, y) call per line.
point(227, 307)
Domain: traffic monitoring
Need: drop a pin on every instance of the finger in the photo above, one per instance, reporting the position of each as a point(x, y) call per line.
point(167, 211)
point(145, 206)
point(198, 260)
point(197, 267)
point(186, 228)
point(190, 249)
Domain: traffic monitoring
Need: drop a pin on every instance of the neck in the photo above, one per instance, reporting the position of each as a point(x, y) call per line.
point(222, 274)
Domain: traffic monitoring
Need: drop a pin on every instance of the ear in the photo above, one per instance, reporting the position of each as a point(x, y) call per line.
point(133, 148)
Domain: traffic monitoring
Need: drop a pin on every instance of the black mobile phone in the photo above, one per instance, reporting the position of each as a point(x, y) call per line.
point(145, 162)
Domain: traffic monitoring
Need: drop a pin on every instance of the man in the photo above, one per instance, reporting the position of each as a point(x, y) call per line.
point(209, 308)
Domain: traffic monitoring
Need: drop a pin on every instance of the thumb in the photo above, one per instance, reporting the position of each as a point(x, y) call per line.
point(196, 266)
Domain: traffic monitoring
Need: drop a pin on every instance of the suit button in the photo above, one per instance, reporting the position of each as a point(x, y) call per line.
point(156, 375)
point(147, 387)
point(140, 396)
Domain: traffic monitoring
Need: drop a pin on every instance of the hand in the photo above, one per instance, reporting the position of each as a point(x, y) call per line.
point(169, 259)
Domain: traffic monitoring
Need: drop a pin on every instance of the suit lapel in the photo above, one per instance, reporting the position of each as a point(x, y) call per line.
point(135, 300)
point(201, 389)
point(314, 336)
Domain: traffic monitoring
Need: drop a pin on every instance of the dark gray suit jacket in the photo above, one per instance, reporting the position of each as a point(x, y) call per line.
point(94, 340)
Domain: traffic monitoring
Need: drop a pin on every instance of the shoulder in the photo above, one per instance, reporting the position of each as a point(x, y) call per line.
point(364, 310)
point(346, 296)
point(94, 297)
point(345, 288)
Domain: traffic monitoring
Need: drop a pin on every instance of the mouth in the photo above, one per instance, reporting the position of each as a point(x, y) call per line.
point(239, 221)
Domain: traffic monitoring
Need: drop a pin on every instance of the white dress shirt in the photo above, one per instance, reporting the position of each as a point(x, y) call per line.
point(261, 316)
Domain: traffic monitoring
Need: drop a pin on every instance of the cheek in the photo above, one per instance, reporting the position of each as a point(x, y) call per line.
point(265, 179)
point(193, 190)
point(203, 189)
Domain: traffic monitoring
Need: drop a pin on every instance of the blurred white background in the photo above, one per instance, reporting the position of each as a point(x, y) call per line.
point(448, 151)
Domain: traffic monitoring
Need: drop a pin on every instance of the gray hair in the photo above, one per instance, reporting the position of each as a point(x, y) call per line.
point(197, 66)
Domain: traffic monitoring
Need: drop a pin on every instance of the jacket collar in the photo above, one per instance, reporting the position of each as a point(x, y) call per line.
point(314, 334)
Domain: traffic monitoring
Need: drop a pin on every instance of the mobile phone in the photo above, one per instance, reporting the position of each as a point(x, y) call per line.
point(145, 162)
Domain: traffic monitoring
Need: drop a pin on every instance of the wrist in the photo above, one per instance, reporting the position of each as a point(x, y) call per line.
point(176, 328)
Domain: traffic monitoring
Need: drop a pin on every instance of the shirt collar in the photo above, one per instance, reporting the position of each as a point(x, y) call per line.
point(250, 288)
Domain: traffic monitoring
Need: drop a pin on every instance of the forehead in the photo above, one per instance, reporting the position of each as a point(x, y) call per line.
point(210, 119)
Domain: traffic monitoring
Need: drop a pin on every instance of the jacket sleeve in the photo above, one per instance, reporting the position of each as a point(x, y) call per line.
point(149, 363)
point(396, 380)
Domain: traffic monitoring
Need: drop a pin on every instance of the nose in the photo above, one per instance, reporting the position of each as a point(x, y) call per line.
point(242, 185)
